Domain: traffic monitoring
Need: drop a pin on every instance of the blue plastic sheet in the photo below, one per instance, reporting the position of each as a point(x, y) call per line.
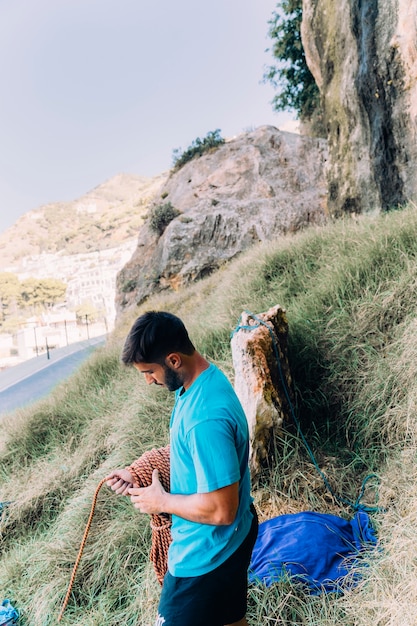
point(8, 614)
point(318, 549)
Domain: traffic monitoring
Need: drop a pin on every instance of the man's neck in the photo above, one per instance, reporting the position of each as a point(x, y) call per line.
point(195, 365)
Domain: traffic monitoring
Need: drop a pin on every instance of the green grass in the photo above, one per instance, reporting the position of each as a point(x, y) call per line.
point(349, 290)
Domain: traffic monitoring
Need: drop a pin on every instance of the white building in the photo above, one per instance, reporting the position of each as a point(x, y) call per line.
point(90, 279)
point(96, 286)
point(40, 334)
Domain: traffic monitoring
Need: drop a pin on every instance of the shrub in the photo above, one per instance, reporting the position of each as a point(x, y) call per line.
point(161, 215)
point(213, 139)
point(128, 286)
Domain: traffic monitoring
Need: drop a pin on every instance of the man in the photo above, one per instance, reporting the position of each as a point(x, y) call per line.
point(214, 523)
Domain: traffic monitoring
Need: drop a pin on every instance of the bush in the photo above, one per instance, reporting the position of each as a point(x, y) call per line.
point(161, 215)
point(212, 140)
point(128, 286)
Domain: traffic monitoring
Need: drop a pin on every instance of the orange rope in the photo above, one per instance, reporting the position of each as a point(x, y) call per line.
point(141, 471)
point(84, 539)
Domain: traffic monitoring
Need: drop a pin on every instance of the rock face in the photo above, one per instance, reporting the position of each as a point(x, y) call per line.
point(262, 380)
point(363, 56)
point(250, 189)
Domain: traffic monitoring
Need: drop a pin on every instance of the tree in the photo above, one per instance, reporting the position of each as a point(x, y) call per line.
point(9, 294)
point(296, 86)
point(42, 293)
point(54, 291)
point(87, 312)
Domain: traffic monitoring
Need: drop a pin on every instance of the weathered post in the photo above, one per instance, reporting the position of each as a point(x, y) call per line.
point(262, 380)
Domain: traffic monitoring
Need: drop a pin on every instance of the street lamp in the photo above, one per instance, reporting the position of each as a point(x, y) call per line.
point(36, 342)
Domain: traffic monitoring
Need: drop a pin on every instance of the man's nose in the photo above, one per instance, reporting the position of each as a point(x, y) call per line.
point(149, 379)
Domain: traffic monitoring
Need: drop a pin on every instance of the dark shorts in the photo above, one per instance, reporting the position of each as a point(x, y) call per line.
point(213, 599)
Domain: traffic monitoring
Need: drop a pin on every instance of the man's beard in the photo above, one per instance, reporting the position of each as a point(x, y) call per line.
point(173, 380)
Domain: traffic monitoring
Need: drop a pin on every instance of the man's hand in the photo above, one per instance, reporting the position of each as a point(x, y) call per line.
point(149, 499)
point(217, 507)
point(120, 481)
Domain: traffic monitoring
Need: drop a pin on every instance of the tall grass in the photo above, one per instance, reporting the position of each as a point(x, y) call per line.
point(350, 294)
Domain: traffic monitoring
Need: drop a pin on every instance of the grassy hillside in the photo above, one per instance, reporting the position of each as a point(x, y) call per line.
point(350, 294)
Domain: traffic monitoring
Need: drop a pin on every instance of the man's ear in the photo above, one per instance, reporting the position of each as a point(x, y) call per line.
point(173, 360)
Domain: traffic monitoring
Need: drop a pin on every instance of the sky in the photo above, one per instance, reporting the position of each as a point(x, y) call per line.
point(95, 88)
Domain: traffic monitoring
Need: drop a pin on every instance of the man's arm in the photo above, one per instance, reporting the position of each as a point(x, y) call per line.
point(217, 507)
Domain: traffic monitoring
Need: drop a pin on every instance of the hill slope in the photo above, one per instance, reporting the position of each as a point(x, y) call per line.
point(350, 293)
point(104, 217)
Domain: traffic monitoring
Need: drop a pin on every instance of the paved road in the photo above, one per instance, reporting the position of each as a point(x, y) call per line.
point(29, 381)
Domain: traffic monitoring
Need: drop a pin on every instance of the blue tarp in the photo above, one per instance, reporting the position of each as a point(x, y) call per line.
point(8, 614)
point(316, 548)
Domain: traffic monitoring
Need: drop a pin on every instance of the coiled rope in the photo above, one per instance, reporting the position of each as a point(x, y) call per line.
point(141, 470)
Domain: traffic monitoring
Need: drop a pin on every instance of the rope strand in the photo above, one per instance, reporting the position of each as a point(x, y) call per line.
point(83, 542)
point(141, 471)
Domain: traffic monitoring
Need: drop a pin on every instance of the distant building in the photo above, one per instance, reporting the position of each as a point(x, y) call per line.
point(90, 276)
point(96, 286)
point(90, 279)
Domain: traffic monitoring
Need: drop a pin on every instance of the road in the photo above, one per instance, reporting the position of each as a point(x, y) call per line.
point(32, 380)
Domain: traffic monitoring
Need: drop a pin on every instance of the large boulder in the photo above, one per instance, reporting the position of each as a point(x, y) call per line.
point(252, 188)
point(363, 56)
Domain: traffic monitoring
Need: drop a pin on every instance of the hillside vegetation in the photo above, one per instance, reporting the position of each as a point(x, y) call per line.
point(351, 298)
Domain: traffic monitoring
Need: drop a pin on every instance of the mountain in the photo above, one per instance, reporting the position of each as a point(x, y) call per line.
point(103, 218)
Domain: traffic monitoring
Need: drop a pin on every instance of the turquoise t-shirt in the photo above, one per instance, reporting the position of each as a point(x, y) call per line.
point(209, 450)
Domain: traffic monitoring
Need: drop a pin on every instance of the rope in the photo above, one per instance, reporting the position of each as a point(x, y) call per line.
point(141, 471)
point(84, 539)
point(160, 524)
point(356, 506)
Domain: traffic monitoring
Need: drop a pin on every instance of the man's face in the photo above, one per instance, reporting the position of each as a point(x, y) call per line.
point(161, 375)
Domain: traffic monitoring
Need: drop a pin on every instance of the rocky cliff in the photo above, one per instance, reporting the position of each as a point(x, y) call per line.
point(252, 188)
point(363, 56)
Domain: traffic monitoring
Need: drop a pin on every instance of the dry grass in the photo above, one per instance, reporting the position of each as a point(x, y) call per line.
point(349, 291)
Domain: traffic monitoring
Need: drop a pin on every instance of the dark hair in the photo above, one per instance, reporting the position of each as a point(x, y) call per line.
point(153, 336)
